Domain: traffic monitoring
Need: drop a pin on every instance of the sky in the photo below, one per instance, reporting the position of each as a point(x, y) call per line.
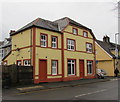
point(101, 16)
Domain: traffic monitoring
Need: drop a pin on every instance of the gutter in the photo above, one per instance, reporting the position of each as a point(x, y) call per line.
point(31, 27)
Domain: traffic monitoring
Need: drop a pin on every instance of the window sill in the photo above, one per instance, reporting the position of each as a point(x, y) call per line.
point(71, 75)
point(70, 50)
point(89, 74)
point(89, 52)
point(54, 75)
point(43, 46)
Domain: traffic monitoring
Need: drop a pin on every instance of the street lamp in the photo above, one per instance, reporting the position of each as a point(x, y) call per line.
point(116, 50)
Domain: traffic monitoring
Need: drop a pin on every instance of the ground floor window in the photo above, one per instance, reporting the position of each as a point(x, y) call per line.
point(5, 63)
point(89, 67)
point(71, 67)
point(26, 62)
point(19, 62)
point(54, 67)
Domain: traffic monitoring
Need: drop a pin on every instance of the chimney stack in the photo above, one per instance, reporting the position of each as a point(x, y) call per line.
point(106, 39)
point(12, 31)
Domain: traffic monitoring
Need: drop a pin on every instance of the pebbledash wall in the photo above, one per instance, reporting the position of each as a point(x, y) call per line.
point(26, 46)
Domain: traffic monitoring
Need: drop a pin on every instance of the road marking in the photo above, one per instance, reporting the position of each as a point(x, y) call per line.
point(23, 93)
point(114, 79)
point(91, 93)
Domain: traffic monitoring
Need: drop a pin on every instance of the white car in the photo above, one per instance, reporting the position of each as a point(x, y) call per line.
point(101, 73)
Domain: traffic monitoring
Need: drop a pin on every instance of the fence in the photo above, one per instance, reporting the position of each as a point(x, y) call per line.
point(17, 74)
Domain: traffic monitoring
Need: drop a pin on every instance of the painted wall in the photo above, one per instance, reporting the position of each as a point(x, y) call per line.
point(18, 55)
point(22, 39)
point(101, 54)
point(104, 61)
point(107, 65)
point(80, 52)
point(48, 53)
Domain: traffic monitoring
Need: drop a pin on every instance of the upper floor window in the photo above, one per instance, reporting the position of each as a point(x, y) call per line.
point(75, 31)
point(70, 44)
point(89, 67)
point(54, 42)
point(54, 67)
point(71, 67)
point(26, 62)
point(43, 40)
point(89, 47)
point(85, 34)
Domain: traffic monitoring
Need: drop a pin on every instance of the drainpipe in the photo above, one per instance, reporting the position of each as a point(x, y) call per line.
point(31, 45)
point(116, 50)
point(94, 57)
point(62, 58)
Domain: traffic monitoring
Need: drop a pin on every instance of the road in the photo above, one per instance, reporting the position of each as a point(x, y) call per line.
point(96, 91)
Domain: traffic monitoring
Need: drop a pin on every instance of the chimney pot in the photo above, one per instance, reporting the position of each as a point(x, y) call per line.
point(106, 39)
point(12, 31)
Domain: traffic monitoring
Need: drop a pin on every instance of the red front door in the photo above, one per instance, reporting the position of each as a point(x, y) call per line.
point(43, 70)
point(81, 68)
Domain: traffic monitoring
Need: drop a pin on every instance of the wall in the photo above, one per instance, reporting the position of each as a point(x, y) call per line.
point(105, 61)
point(107, 65)
point(48, 53)
point(21, 41)
point(80, 52)
point(101, 54)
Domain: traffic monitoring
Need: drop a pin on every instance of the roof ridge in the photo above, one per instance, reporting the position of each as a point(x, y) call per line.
point(108, 43)
point(36, 20)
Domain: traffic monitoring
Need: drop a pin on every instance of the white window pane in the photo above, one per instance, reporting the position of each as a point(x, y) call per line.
point(54, 42)
point(89, 65)
point(70, 44)
point(71, 67)
point(54, 67)
point(43, 40)
point(27, 62)
point(74, 31)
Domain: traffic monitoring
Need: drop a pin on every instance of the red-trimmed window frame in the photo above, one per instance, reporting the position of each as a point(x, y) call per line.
point(56, 68)
point(76, 31)
point(46, 40)
point(20, 61)
point(86, 47)
point(28, 60)
point(86, 33)
point(5, 62)
point(92, 68)
point(74, 44)
point(75, 67)
point(56, 41)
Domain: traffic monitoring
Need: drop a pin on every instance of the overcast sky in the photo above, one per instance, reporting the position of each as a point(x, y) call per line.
point(98, 16)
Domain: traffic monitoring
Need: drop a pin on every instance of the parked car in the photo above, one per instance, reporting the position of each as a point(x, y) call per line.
point(101, 73)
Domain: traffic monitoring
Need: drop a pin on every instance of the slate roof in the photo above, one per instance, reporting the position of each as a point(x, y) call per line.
point(56, 26)
point(7, 45)
point(1, 43)
point(39, 22)
point(108, 47)
point(63, 22)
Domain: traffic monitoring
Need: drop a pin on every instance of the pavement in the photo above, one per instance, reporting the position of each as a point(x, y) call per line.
point(52, 85)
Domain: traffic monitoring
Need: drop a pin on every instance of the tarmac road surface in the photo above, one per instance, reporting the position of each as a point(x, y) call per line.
point(96, 91)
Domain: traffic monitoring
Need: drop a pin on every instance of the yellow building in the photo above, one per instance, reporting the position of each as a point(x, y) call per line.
point(58, 51)
point(106, 56)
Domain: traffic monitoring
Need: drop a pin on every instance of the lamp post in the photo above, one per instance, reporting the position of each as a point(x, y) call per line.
point(116, 50)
